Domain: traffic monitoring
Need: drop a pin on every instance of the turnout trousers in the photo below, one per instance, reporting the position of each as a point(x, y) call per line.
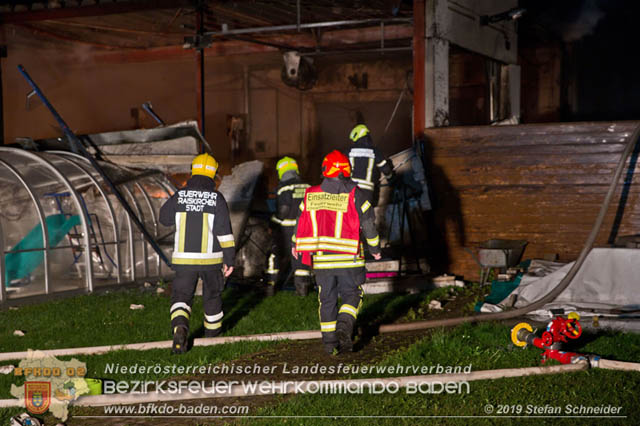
point(182, 290)
point(347, 285)
point(301, 272)
point(280, 264)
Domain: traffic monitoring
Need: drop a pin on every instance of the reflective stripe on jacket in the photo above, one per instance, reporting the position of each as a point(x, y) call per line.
point(203, 236)
point(328, 223)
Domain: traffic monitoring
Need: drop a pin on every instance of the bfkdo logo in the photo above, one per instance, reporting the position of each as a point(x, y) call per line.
point(48, 384)
point(37, 396)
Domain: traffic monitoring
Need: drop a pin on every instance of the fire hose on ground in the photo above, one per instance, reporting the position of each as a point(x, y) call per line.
point(391, 328)
point(558, 330)
point(422, 325)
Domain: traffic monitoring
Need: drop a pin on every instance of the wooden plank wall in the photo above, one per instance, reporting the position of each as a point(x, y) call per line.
point(541, 182)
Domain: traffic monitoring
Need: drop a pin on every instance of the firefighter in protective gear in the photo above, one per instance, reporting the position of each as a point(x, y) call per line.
point(366, 162)
point(204, 247)
point(290, 193)
point(333, 215)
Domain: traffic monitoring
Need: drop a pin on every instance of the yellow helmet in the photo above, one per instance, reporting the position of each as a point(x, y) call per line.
point(359, 131)
point(204, 165)
point(286, 164)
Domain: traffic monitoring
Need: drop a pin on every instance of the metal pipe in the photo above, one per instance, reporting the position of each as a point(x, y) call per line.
point(77, 145)
point(153, 218)
point(200, 68)
point(164, 187)
point(3, 291)
point(58, 247)
point(3, 54)
point(132, 248)
point(116, 232)
point(313, 25)
point(145, 265)
point(345, 52)
point(43, 222)
point(419, 105)
point(44, 184)
point(247, 102)
point(149, 110)
point(144, 174)
point(84, 218)
point(395, 108)
point(260, 42)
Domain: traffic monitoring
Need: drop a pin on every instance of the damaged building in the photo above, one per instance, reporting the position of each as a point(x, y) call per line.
point(500, 117)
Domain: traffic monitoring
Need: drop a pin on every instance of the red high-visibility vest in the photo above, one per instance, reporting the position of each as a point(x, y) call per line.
point(328, 223)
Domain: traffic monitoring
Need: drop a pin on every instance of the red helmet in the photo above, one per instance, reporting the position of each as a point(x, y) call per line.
point(335, 163)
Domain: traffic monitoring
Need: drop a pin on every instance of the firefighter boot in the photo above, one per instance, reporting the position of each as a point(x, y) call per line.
point(212, 333)
point(330, 348)
point(270, 289)
point(179, 340)
point(344, 329)
point(302, 286)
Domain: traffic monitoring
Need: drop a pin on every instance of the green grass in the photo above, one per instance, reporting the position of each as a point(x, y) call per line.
point(590, 388)
point(197, 356)
point(105, 319)
point(90, 320)
point(485, 346)
point(7, 413)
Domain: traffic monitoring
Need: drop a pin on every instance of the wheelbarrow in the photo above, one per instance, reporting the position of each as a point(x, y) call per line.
point(501, 254)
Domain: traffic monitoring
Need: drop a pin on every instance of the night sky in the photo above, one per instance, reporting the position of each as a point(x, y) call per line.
point(600, 40)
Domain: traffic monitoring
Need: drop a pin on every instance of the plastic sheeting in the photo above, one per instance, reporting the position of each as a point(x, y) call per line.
point(607, 286)
point(22, 261)
point(608, 281)
point(237, 189)
point(411, 185)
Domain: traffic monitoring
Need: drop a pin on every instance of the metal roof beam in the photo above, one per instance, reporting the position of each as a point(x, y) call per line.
point(100, 9)
point(314, 25)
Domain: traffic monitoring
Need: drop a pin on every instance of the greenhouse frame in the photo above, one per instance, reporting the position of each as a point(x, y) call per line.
point(63, 230)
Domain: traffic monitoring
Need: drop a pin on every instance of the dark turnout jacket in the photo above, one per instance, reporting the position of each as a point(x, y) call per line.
point(290, 193)
point(203, 237)
point(367, 163)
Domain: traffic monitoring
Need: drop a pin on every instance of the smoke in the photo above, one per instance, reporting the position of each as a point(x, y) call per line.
point(588, 17)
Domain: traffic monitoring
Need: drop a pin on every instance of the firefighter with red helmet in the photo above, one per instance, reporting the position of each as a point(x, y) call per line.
point(290, 192)
point(204, 247)
point(333, 214)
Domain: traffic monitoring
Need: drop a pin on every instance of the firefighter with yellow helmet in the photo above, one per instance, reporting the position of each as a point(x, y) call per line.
point(366, 161)
point(333, 216)
point(290, 193)
point(204, 247)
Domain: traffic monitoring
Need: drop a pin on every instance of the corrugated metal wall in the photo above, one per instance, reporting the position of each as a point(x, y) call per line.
point(543, 183)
